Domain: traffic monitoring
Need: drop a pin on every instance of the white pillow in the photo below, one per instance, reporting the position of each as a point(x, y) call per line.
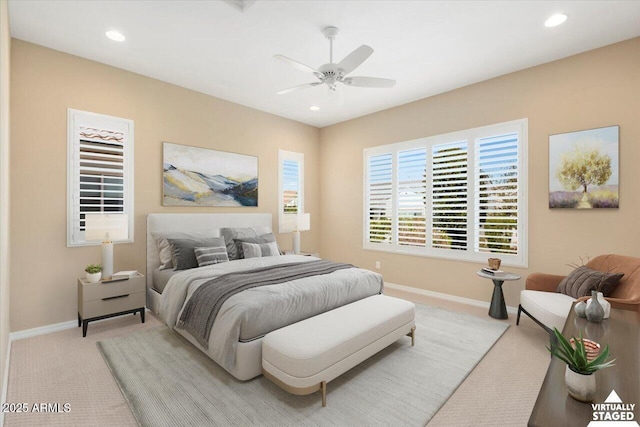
point(257, 250)
point(164, 248)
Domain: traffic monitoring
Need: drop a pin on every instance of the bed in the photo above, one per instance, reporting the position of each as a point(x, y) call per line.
point(235, 340)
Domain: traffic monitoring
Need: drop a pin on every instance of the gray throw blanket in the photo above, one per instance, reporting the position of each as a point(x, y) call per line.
point(200, 311)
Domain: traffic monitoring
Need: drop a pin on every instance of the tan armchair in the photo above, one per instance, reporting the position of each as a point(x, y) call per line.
point(549, 309)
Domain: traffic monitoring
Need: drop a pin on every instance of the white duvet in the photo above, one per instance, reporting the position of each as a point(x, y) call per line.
point(255, 312)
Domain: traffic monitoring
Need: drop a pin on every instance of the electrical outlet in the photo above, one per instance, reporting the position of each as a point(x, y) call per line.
point(378, 265)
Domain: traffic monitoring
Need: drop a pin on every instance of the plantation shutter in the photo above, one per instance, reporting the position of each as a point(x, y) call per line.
point(496, 194)
point(412, 190)
point(290, 186)
point(379, 198)
point(449, 196)
point(100, 169)
point(461, 195)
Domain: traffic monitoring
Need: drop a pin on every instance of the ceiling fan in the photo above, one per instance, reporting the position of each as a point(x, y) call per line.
point(331, 74)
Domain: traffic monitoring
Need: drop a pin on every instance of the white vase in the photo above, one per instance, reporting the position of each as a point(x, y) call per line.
point(606, 305)
point(94, 277)
point(581, 387)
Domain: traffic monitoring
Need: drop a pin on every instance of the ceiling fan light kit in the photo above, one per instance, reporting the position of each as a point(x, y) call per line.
point(331, 73)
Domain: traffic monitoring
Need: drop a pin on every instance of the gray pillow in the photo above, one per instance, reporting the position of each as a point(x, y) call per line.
point(266, 238)
point(239, 233)
point(164, 249)
point(183, 251)
point(259, 250)
point(581, 281)
point(212, 255)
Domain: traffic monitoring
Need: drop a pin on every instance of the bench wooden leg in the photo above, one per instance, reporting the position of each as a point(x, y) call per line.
point(412, 334)
point(323, 386)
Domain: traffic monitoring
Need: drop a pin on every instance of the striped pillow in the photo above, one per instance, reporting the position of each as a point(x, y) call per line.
point(257, 250)
point(266, 238)
point(211, 255)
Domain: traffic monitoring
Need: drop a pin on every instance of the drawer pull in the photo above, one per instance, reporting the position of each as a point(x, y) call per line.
point(119, 296)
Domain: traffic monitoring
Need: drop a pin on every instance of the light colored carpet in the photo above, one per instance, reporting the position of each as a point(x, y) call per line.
point(167, 382)
point(64, 367)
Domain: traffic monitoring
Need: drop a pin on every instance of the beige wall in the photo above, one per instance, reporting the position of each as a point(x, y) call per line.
point(5, 48)
point(594, 89)
point(44, 84)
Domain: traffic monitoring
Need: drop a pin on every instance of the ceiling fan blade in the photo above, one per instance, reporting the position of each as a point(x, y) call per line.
point(355, 58)
point(298, 65)
point(302, 86)
point(368, 82)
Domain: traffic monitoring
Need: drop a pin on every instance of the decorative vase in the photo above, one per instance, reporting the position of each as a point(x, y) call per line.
point(594, 311)
point(606, 305)
point(580, 309)
point(494, 263)
point(94, 277)
point(580, 386)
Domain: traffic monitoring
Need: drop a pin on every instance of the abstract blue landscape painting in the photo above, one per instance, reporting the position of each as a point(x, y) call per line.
point(201, 177)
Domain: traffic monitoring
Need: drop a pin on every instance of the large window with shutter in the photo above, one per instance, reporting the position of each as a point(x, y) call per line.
point(99, 171)
point(461, 195)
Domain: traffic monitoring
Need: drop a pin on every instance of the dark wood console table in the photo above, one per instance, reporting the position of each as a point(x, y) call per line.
point(554, 406)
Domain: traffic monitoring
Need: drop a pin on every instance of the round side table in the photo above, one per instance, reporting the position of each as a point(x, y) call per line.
point(498, 308)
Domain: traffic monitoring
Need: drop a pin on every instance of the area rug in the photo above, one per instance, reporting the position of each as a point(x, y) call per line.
point(168, 382)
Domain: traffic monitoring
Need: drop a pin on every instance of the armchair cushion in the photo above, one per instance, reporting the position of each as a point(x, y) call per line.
point(550, 308)
point(581, 281)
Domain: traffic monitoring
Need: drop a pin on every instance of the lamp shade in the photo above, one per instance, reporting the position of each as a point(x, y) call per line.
point(296, 222)
point(304, 222)
point(99, 224)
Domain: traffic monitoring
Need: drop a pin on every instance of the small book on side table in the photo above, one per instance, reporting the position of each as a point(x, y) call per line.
point(491, 271)
point(124, 275)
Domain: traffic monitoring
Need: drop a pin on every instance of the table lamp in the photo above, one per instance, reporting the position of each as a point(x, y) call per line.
point(297, 223)
point(106, 228)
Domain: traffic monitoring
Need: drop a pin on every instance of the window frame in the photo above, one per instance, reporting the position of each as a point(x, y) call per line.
point(284, 155)
point(470, 136)
point(76, 118)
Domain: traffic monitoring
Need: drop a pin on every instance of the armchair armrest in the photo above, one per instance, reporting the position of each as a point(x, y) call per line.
point(543, 282)
point(623, 304)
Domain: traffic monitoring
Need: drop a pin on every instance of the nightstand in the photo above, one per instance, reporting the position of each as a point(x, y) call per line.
point(315, 254)
point(100, 300)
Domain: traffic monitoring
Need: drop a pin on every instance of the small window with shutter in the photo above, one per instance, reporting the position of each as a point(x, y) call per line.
point(291, 186)
point(99, 171)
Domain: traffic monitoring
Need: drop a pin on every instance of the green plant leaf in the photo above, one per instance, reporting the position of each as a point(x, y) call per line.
point(576, 357)
point(599, 362)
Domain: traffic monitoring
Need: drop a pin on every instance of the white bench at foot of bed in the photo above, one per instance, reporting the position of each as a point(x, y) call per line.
point(302, 358)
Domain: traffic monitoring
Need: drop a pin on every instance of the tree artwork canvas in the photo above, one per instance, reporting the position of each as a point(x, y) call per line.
point(195, 176)
point(583, 169)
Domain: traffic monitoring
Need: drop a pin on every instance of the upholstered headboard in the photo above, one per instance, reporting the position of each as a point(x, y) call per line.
point(189, 222)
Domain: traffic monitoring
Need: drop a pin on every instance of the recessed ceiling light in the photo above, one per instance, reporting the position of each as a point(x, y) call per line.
point(115, 36)
point(555, 20)
point(314, 108)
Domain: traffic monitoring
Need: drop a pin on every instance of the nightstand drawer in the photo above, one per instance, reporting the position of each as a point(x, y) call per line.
point(98, 291)
point(113, 303)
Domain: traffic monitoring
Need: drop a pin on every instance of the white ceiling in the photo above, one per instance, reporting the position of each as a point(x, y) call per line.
point(216, 48)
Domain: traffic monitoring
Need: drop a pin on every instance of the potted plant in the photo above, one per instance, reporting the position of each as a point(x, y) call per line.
point(94, 272)
point(579, 378)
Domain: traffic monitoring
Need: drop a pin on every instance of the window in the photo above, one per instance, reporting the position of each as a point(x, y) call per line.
point(290, 184)
point(461, 195)
point(99, 171)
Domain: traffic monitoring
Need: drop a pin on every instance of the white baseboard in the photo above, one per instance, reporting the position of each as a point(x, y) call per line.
point(447, 297)
point(5, 380)
point(47, 329)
